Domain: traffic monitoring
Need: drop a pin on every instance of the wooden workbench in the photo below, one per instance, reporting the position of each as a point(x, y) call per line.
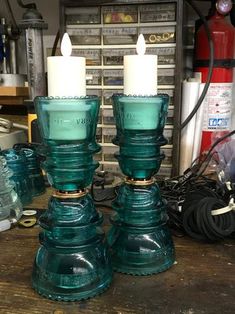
point(202, 281)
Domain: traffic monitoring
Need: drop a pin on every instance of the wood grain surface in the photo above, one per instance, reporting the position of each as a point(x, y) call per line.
point(14, 91)
point(201, 282)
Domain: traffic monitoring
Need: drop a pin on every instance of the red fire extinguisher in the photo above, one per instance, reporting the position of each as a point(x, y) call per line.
point(218, 101)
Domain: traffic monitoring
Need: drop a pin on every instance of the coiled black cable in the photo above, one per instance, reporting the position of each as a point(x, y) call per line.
point(198, 221)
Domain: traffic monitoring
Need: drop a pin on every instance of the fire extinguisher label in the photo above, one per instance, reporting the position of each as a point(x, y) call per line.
point(217, 107)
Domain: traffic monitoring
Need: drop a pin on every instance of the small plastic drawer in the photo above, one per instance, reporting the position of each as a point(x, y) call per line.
point(93, 56)
point(165, 55)
point(170, 116)
point(108, 117)
point(96, 92)
point(107, 96)
point(93, 77)
point(120, 14)
point(84, 36)
point(108, 153)
point(119, 36)
point(82, 15)
point(115, 56)
point(168, 134)
point(113, 77)
point(169, 92)
point(98, 156)
point(168, 156)
point(158, 35)
point(157, 13)
point(99, 135)
point(109, 134)
point(113, 168)
point(166, 76)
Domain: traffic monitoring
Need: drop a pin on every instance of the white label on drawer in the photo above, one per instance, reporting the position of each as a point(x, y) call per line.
point(166, 72)
point(157, 30)
point(161, 51)
point(108, 113)
point(157, 7)
point(94, 72)
point(168, 132)
point(81, 11)
point(109, 131)
point(112, 73)
point(118, 52)
point(120, 8)
point(94, 92)
point(83, 31)
point(90, 54)
point(119, 31)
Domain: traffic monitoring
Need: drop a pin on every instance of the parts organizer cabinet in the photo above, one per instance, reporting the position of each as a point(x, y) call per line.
point(104, 34)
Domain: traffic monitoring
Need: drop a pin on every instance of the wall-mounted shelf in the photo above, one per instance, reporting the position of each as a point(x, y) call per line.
point(10, 95)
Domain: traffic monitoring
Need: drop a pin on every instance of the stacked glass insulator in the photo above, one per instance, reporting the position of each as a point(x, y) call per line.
point(17, 162)
point(72, 262)
point(10, 205)
point(31, 152)
point(139, 239)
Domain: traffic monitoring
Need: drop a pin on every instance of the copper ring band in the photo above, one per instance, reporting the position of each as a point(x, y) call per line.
point(64, 194)
point(139, 182)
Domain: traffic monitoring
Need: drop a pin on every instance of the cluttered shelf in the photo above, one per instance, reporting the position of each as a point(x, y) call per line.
point(202, 274)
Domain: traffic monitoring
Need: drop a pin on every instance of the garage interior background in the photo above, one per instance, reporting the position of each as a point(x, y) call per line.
point(172, 70)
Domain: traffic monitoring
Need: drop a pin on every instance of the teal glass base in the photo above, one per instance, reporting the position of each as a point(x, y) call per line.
point(140, 250)
point(72, 275)
point(73, 261)
point(139, 239)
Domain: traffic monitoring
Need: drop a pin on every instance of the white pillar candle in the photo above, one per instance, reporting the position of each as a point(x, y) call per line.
point(66, 73)
point(140, 72)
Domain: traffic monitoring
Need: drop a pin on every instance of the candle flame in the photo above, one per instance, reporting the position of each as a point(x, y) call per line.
point(66, 46)
point(140, 46)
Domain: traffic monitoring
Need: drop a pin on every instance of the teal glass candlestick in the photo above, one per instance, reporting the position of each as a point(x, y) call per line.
point(73, 261)
point(140, 241)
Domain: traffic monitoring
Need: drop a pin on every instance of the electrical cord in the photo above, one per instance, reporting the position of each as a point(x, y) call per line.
point(190, 208)
point(192, 198)
point(6, 126)
point(57, 37)
point(103, 194)
point(211, 64)
point(197, 218)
